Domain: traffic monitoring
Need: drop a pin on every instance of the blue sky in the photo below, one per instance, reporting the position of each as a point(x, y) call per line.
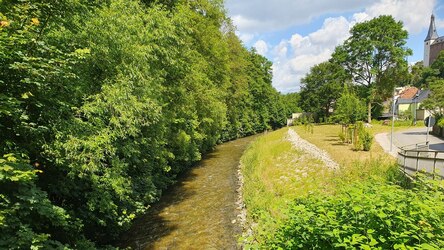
point(298, 34)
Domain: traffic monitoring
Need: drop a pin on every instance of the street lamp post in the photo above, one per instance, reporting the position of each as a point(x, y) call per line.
point(393, 116)
point(393, 121)
point(416, 108)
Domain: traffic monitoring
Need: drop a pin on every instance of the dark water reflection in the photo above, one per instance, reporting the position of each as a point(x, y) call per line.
point(197, 212)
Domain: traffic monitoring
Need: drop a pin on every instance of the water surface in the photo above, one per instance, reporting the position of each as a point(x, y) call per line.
point(199, 212)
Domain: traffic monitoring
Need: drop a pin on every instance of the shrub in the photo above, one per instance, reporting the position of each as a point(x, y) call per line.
point(365, 216)
point(367, 140)
point(342, 137)
point(309, 127)
point(362, 138)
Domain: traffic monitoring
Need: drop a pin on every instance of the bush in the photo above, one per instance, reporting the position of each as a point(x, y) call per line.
point(365, 216)
point(367, 140)
point(309, 127)
point(363, 139)
point(342, 137)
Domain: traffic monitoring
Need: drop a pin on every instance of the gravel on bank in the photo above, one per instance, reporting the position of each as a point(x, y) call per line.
point(311, 149)
point(297, 142)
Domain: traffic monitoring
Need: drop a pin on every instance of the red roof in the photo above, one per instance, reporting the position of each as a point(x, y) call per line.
point(408, 93)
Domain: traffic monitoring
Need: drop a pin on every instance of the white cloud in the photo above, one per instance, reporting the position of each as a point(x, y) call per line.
point(252, 16)
point(303, 52)
point(245, 37)
point(414, 14)
point(261, 47)
point(281, 50)
point(295, 55)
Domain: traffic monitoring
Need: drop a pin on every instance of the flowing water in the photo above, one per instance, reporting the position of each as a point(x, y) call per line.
point(199, 212)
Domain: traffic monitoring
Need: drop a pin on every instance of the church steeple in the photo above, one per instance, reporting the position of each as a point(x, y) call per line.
point(432, 35)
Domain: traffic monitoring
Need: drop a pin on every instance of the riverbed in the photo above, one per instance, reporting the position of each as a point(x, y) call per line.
point(199, 211)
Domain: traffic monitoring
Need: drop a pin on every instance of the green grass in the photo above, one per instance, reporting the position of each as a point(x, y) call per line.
point(276, 174)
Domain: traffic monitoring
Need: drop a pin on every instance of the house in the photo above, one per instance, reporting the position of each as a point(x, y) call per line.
point(433, 44)
point(408, 102)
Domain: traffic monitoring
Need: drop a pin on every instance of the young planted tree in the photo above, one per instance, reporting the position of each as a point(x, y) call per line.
point(349, 109)
point(374, 53)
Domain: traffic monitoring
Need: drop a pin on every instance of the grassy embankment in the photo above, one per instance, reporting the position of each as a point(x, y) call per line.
point(276, 174)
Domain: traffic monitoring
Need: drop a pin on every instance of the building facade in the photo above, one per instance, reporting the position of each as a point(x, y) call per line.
point(433, 44)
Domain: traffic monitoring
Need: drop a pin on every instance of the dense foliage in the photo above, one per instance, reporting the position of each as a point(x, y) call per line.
point(374, 56)
point(349, 108)
point(433, 78)
point(321, 88)
point(103, 103)
point(369, 215)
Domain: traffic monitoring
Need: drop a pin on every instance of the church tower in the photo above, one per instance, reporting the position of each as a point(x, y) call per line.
point(431, 37)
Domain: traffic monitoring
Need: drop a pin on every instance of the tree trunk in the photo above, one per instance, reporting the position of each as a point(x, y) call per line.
point(369, 112)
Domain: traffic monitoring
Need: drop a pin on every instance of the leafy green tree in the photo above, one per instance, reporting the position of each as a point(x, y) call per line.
point(438, 65)
point(321, 87)
point(373, 53)
point(349, 108)
point(265, 104)
point(35, 78)
point(103, 103)
point(291, 102)
point(435, 101)
point(416, 74)
point(238, 98)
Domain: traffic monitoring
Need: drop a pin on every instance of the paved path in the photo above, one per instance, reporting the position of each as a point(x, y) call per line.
point(408, 137)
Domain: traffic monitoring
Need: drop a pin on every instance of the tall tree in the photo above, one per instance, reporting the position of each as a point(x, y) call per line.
point(415, 74)
point(435, 102)
point(103, 103)
point(433, 77)
point(372, 54)
point(321, 87)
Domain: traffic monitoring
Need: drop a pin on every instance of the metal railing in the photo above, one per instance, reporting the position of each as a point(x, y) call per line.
point(418, 157)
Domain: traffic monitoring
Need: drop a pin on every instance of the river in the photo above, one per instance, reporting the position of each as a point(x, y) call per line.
point(199, 211)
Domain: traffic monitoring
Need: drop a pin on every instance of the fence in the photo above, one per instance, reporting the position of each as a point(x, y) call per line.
point(418, 157)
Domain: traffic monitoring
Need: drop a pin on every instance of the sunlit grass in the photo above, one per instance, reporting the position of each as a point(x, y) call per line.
point(326, 137)
point(276, 173)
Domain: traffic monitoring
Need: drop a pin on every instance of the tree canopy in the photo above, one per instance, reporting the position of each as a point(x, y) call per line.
point(373, 55)
point(321, 87)
point(349, 108)
point(103, 103)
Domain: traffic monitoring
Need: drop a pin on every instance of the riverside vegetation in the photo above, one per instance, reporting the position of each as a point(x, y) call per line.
point(294, 201)
point(104, 103)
